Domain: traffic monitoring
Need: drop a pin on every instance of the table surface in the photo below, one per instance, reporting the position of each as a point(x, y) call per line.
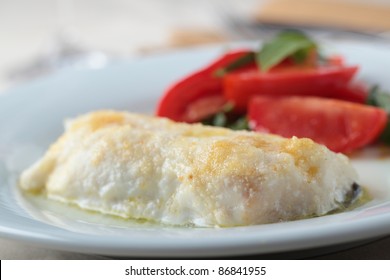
point(28, 29)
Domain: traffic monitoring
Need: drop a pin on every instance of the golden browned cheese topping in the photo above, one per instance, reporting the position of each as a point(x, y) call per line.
point(303, 152)
point(100, 120)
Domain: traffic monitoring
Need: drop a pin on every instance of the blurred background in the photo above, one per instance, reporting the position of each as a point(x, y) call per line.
point(41, 36)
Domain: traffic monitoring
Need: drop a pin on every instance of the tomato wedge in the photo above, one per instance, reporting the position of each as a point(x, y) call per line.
point(181, 101)
point(324, 81)
point(354, 92)
point(340, 125)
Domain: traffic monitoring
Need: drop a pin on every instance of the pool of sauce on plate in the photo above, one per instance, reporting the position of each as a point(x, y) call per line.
point(66, 214)
point(363, 198)
point(70, 215)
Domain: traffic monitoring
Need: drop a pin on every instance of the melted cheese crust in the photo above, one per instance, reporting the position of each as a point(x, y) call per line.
point(142, 167)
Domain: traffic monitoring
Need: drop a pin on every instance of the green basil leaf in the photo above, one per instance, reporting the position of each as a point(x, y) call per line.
point(378, 98)
point(240, 124)
point(287, 43)
point(385, 136)
point(372, 96)
point(227, 118)
point(381, 99)
point(238, 63)
point(220, 119)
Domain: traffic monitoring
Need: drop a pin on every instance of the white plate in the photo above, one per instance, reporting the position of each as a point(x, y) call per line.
point(31, 118)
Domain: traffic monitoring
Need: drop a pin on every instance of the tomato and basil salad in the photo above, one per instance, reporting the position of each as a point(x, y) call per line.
point(287, 88)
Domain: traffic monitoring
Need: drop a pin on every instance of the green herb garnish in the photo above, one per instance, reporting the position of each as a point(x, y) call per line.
point(244, 60)
point(378, 98)
point(227, 118)
point(287, 44)
point(381, 99)
point(240, 124)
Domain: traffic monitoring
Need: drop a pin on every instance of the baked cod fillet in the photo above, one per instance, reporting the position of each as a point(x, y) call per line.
point(142, 167)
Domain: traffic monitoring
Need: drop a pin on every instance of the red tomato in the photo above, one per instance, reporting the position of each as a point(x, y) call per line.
point(180, 102)
point(323, 81)
point(354, 92)
point(340, 125)
point(335, 60)
point(204, 107)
